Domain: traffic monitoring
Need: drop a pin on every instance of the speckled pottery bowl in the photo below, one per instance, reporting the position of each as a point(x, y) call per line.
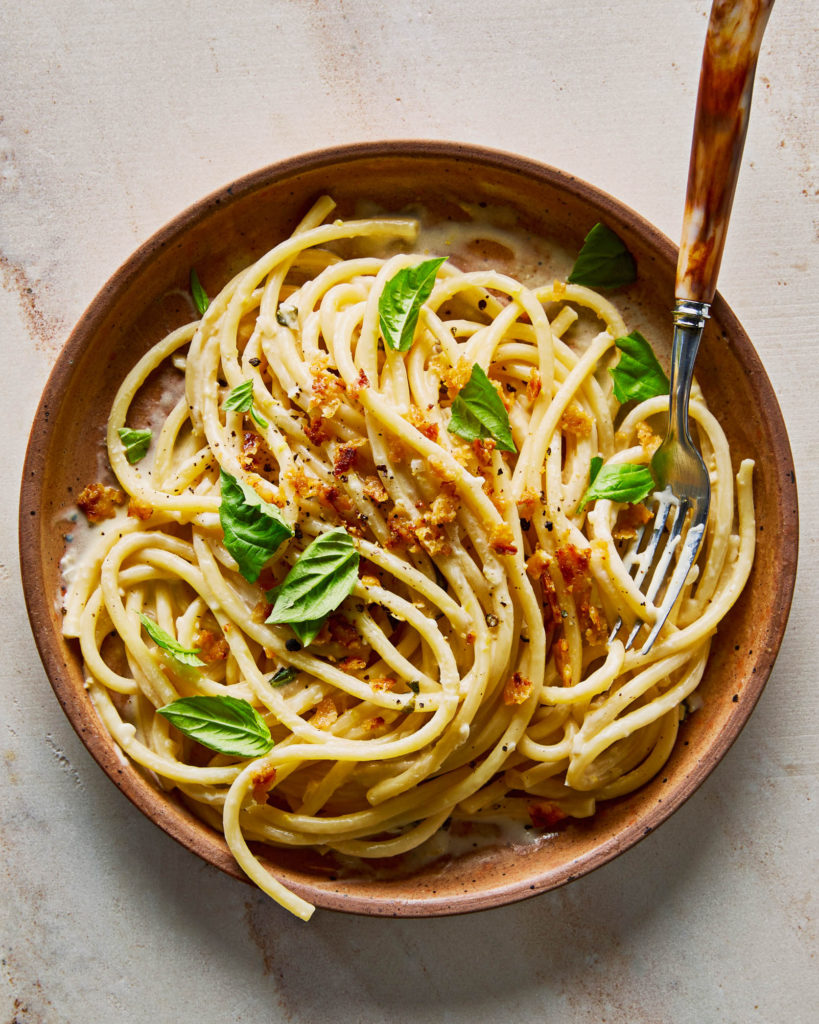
point(147, 297)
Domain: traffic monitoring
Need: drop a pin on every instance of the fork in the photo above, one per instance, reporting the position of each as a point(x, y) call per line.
point(683, 493)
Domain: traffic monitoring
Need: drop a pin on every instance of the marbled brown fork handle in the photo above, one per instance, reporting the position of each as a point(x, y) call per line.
point(723, 105)
point(683, 485)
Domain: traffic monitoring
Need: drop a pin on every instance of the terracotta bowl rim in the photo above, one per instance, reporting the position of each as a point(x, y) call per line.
point(158, 808)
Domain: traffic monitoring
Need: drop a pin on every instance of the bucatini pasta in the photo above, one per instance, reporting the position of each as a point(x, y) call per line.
point(357, 591)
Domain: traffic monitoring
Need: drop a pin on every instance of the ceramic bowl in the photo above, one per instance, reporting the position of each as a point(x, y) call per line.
point(148, 296)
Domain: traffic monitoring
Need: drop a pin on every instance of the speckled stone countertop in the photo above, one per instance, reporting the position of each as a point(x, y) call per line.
point(117, 116)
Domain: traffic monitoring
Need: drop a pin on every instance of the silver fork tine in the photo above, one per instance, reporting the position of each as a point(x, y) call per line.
point(647, 556)
point(691, 547)
point(665, 558)
point(643, 559)
point(668, 551)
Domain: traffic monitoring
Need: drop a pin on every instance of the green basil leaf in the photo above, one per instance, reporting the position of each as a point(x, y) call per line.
point(227, 724)
point(253, 529)
point(400, 302)
point(479, 412)
point(184, 655)
point(637, 375)
point(200, 296)
point(323, 576)
point(604, 261)
point(308, 630)
point(282, 676)
point(135, 443)
point(240, 399)
point(622, 483)
point(595, 466)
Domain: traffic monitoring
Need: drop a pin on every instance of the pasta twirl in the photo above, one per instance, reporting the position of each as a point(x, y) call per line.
point(465, 670)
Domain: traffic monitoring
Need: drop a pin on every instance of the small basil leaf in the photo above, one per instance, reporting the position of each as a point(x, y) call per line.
point(308, 630)
point(625, 483)
point(637, 375)
point(200, 296)
point(400, 302)
point(135, 443)
point(253, 529)
point(604, 261)
point(184, 655)
point(227, 724)
point(283, 676)
point(240, 399)
point(323, 576)
point(595, 466)
point(479, 412)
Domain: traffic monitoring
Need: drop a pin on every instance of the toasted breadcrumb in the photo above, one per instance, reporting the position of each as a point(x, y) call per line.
point(375, 490)
point(362, 382)
point(441, 470)
point(344, 633)
point(560, 649)
point(212, 647)
point(352, 664)
point(431, 538)
point(537, 563)
point(304, 484)
point(454, 377)
point(331, 497)
point(534, 385)
point(575, 421)
point(325, 715)
point(503, 394)
point(421, 423)
point(254, 457)
point(316, 429)
point(262, 783)
point(647, 438)
point(574, 567)
point(528, 501)
point(445, 507)
point(327, 391)
point(139, 509)
point(345, 456)
point(99, 502)
point(594, 624)
point(517, 689)
point(384, 684)
point(483, 448)
point(629, 521)
point(545, 814)
point(501, 539)
point(402, 532)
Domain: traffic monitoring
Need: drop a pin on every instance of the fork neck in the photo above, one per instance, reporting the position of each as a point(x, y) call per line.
point(689, 318)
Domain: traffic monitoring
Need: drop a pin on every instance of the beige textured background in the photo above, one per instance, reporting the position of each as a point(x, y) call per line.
point(115, 116)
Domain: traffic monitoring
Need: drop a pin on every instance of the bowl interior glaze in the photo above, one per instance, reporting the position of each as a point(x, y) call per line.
point(148, 296)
